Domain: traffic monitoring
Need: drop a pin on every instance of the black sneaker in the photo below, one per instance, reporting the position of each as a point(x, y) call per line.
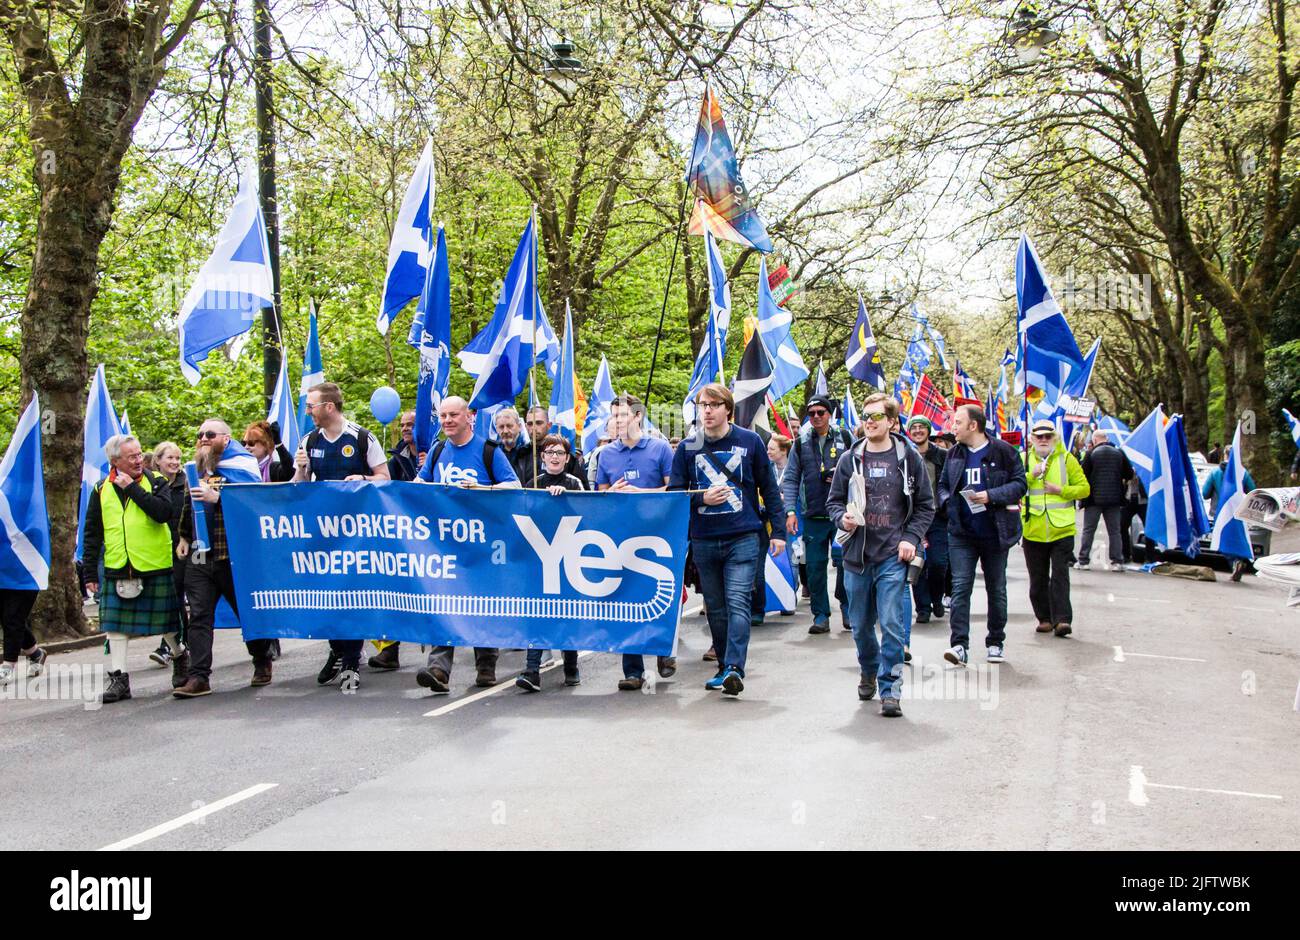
point(435, 680)
point(572, 677)
point(385, 659)
point(907, 655)
point(118, 688)
point(529, 681)
point(923, 617)
point(180, 669)
point(890, 708)
point(667, 666)
point(330, 671)
point(274, 653)
point(939, 612)
point(162, 655)
point(866, 688)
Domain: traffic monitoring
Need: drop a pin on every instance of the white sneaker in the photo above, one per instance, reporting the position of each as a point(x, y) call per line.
point(36, 663)
point(1115, 566)
point(1081, 565)
point(955, 655)
point(995, 655)
point(6, 674)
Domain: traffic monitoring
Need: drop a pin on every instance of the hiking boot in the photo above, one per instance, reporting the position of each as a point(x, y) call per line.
point(866, 688)
point(486, 678)
point(435, 680)
point(890, 708)
point(118, 688)
point(631, 684)
point(667, 666)
point(385, 659)
point(193, 688)
point(261, 673)
point(1043, 627)
point(1063, 629)
point(180, 668)
point(819, 626)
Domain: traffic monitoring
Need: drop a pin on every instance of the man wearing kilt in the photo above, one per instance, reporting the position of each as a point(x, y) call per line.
point(128, 542)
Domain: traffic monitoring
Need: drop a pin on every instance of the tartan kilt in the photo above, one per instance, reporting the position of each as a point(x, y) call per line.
point(155, 611)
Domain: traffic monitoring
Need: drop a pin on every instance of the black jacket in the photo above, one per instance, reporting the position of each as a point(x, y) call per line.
point(1108, 470)
point(546, 480)
point(1005, 473)
point(521, 458)
point(403, 463)
point(936, 456)
point(157, 505)
point(916, 490)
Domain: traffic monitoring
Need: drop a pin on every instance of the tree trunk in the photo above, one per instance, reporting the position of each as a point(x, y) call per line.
point(1246, 345)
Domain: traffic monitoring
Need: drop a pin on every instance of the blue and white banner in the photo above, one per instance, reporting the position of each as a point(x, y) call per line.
point(450, 566)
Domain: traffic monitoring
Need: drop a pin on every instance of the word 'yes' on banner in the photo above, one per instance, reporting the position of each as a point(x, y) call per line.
point(458, 567)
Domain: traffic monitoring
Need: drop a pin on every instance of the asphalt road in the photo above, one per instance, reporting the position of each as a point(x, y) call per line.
point(1183, 738)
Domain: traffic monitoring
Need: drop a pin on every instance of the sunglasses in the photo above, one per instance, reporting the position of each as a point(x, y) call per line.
point(818, 413)
point(874, 416)
point(255, 440)
point(207, 435)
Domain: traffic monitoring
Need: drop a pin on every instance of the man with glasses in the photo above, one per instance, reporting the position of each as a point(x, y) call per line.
point(981, 486)
point(880, 496)
point(1055, 481)
point(634, 462)
point(726, 467)
point(804, 487)
point(209, 578)
point(338, 449)
point(928, 590)
point(403, 460)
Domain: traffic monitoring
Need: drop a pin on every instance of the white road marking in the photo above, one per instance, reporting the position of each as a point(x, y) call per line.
point(1144, 600)
point(1120, 656)
point(201, 813)
point(693, 610)
point(1138, 784)
point(499, 687)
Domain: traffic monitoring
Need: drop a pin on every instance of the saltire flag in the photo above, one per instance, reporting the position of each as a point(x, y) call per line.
point(1114, 429)
point(782, 594)
point(237, 465)
point(408, 249)
point(1229, 533)
point(931, 403)
point(1050, 355)
point(431, 336)
point(126, 423)
point(24, 524)
point(1294, 426)
point(232, 286)
point(722, 204)
point(709, 361)
point(848, 411)
point(1157, 449)
point(485, 420)
point(1076, 387)
point(282, 413)
point(502, 353)
point(774, 323)
point(101, 424)
point(919, 353)
point(1008, 358)
point(863, 356)
point(313, 372)
point(752, 384)
point(962, 386)
point(602, 397)
point(820, 385)
point(568, 406)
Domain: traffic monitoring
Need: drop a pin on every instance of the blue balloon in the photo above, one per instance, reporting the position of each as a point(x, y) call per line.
point(385, 404)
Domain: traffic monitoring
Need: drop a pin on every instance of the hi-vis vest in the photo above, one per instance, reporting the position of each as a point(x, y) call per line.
point(132, 537)
point(1060, 512)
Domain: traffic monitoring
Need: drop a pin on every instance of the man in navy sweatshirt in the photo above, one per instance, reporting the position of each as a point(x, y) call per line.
point(730, 465)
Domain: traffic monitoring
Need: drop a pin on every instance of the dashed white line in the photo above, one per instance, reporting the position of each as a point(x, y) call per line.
point(1120, 656)
point(1138, 784)
point(191, 817)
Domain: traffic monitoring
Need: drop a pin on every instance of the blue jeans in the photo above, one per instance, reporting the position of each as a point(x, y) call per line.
point(928, 590)
point(963, 553)
point(877, 593)
point(905, 610)
point(534, 660)
point(817, 535)
point(726, 568)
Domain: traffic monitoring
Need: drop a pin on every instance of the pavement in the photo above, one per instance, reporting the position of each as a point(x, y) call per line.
point(1166, 721)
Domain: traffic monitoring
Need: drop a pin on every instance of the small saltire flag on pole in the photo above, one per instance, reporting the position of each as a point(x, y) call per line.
point(820, 385)
point(313, 372)
point(409, 248)
point(752, 383)
point(602, 397)
point(1050, 354)
point(723, 205)
point(282, 410)
point(231, 287)
point(24, 525)
point(709, 361)
point(101, 424)
point(126, 423)
point(1229, 533)
point(848, 411)
point(1294, 425)
point(563, 405)
point(433, 340)
point(863, 357)
point(774, 324)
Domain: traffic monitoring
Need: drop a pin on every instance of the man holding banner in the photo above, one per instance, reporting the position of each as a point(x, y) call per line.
point(726, 467)
point(338, 449)
point(463, 459)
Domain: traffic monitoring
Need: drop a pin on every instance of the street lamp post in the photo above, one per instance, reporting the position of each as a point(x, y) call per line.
point(1031, 33)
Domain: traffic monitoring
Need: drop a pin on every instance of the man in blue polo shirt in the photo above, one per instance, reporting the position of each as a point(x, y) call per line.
point(632, 463)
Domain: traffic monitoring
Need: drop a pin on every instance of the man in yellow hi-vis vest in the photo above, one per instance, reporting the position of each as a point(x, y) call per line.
point(1055, 481)
point(128, 547)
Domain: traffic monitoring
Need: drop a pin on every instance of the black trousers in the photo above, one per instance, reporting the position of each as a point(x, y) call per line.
point(15, 607)
point(1049, 579)
point(205, 585)
point(1130, 509)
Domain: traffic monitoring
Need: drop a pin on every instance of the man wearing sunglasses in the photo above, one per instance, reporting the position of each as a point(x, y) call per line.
point(880, 495)
point(804, 488)
point(982, 484)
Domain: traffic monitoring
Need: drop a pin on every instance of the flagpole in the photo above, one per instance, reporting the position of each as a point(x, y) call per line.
point(532, 358)
point(672, 264)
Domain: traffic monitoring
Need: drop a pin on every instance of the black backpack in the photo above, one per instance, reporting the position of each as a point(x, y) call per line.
point(489, 451)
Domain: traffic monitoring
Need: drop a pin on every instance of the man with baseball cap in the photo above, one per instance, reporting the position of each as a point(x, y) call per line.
point(1055, 481)
point(805, 485)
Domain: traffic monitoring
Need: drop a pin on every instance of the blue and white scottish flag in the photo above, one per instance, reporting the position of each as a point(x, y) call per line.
point(1050, 354)
point(24, 525)
point(774, 328)
point(313, 372)
point(602, 397)
point(1229, 533)
point(282, 410)
point(713, 351)
point(431, 335)
point(101, 424)
point(408, 249)
point(233, 285)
